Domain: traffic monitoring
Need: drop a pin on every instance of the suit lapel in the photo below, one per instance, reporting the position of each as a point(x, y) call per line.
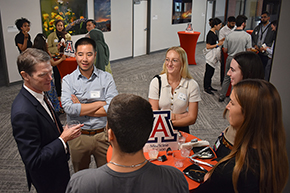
point(41, 110)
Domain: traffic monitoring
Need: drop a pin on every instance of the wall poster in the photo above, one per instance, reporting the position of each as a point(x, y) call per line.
point(73, 12)
point(181, 11)
point(102, 14)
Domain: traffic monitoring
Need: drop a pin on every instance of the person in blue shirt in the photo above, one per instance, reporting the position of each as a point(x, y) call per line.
point(86, 95)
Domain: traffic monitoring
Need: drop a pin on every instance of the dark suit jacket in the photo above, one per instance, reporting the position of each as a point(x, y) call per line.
point(40, 148)
point(269, 38)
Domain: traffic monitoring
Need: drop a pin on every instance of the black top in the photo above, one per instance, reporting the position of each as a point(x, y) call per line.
point(221, 178)
point(222, 147)
point(211, 38)
point(19, 39)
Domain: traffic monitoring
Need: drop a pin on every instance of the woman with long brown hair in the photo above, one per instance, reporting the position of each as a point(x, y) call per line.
point(258, 161)
point(244, 65)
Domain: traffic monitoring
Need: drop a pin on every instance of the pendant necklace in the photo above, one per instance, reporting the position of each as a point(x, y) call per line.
point(131, 166)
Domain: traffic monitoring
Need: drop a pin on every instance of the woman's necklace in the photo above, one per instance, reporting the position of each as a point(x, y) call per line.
point(131, 166)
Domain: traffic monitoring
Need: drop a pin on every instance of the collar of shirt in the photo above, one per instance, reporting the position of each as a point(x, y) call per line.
point(94, 74)
point(264, 27)
point(38, 96)
point(40, 99)
point(182, 83)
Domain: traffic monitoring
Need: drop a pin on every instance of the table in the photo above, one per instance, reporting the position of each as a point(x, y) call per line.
point(249, 31)
point(188, 42)
point(67, 66)
point(170, 161)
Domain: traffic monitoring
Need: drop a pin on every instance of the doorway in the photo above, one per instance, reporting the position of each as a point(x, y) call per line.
point(209, 14)
point(3, 66)
point(140, 28)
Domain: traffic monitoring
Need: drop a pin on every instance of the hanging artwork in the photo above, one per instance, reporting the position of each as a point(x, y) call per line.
point(102, 14)
point(72, 12)
point(181, 11)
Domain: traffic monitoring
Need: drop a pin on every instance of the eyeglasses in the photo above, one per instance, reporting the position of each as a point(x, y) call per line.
point(174, 61)
point(264, 16)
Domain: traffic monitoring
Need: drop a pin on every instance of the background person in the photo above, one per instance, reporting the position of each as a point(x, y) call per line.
point(235, 42)
point(244, 65)
point(54, 39)
point(23, 39)
point(86, 95)
point(224, 31)
point(227, 29)
point(39, 134)
point(212, 42)
point(269, 51)
point(130, 121)
point(56, 46)
point(179, 93)
point(102, 61)
point(258, 161)
point(263, 34)
point(40, 43)
point(90, 24)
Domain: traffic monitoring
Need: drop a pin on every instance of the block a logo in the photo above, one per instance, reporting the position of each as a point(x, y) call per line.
point(162, 134)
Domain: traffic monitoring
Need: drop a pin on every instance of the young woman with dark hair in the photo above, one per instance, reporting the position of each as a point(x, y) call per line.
point(244, 65)
point(23, 39)
point(212, 42)
point(258, 161)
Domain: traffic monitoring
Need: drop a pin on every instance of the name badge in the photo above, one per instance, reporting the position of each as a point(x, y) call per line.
point(95, 94)
point(55, 40)
point(216, 145)
point(181, 96)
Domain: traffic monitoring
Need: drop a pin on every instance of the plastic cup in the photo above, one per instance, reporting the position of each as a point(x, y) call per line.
point(72, 123)
point(153, 153)
point(185, 152)
point(178, 159)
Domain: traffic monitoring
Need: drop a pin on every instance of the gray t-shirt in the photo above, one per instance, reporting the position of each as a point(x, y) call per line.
point(150, 178)
point(237, 41)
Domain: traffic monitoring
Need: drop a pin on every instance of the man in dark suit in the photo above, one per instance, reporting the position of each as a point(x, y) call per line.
point(39, 135)
point(263, 37)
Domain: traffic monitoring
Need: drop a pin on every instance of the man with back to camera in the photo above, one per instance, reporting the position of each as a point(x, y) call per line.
point(130, 121)
point(263, 34)
point(86, 95)
point(237, 41)
point(226, 30)
point(39, 135)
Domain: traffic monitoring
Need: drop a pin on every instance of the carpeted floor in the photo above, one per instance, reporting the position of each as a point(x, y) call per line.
point(131, 75)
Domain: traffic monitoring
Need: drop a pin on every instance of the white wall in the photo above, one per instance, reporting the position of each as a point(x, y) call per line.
point(281, 69)
point(199, 18)
point(119, 39)
point(163, 33)
point(10, 11)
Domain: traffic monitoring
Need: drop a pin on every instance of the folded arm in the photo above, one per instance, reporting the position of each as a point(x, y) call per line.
point(94, 109)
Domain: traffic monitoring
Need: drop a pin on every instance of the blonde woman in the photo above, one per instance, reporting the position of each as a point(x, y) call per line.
point(179, 93)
